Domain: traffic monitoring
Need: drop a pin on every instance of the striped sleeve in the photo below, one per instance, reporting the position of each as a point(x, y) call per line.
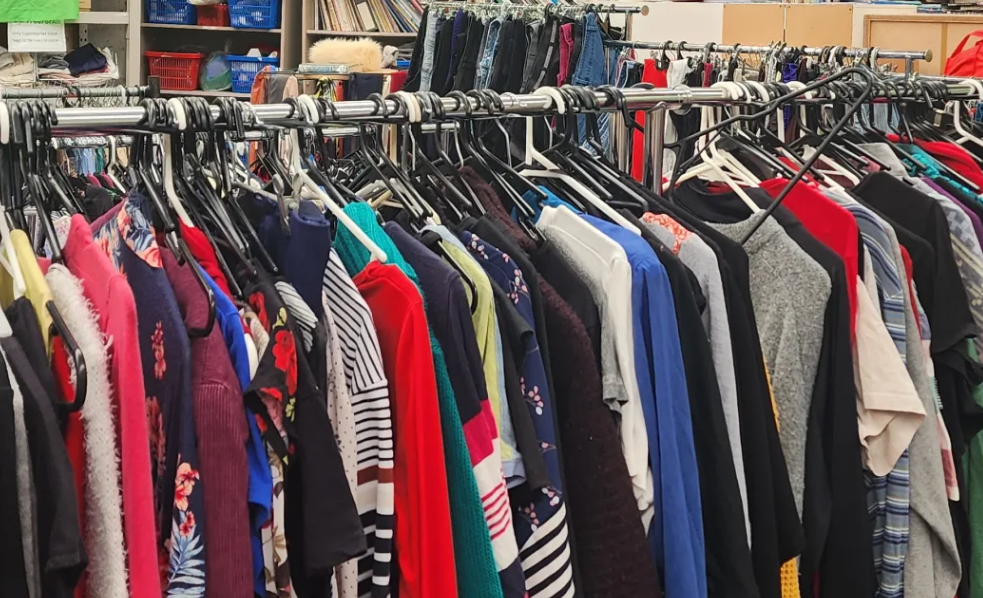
point(369, 393)
point(300, 311)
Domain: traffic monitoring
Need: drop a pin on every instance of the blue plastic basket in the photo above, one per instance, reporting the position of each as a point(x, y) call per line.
point(172, 12)
point(245, 69)
point(254, 14)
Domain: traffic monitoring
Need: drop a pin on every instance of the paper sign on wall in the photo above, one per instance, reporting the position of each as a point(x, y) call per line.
point(36, 37)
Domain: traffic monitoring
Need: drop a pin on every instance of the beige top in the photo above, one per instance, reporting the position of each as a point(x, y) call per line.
point(888, 408)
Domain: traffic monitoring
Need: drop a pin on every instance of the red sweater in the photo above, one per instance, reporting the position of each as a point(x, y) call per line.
point(422, 529)
point(113, 301)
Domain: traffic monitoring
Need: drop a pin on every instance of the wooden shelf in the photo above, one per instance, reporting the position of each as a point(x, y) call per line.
point(203, 93)
point(324, 33)
point(206, 28)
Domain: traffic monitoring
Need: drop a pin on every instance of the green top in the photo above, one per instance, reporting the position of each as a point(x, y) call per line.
point(477, 573)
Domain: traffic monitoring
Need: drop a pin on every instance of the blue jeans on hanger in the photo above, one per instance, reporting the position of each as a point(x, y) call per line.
point(592, 71)
point(488, 56)
point(429, 45)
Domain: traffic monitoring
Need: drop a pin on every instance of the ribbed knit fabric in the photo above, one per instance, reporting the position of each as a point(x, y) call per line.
point(477, 574)
point(222, 433)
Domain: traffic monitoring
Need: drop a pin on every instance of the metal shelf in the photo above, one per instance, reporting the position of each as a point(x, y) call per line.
point(203, 93)
point(207, 28)
point(101, 18)
point(400, 35)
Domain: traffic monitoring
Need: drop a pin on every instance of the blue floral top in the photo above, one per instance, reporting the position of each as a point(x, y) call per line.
point(127, 236)
point(541, 516)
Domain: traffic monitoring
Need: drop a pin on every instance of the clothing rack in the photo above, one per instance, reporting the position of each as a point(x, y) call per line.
point(656, 100)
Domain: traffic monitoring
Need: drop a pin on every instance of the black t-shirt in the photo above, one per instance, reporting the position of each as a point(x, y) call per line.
point(944, 296)
point(728, 558)
point(838, 535)
point(12, 570)
point(61, 553)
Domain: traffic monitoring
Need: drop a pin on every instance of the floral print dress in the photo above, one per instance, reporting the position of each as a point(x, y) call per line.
point(128, 238)
point(541, 516)
point(271, 397)
point(290, 411)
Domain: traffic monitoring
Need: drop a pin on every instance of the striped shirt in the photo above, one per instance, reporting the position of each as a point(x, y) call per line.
point(301, 312)
point(368, 391)
point(888, 505)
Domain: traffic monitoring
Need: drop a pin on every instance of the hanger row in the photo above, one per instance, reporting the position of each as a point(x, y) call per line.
point(518, 8)
point(540, 103)
point(827, 52)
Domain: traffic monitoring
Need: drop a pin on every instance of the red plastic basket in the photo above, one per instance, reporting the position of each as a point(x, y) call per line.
point(177, 71)
point(213, 15)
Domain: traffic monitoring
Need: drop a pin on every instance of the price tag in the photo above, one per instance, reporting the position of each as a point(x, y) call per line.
point(36, 37)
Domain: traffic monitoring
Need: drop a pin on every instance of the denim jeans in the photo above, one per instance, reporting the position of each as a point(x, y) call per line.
point(429, 44)
point(488, 55)
point(591, 71)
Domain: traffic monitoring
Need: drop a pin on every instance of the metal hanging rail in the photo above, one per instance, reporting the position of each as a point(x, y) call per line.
point(925, 55)
point(68, 91)
point(559, 8)
point(512, 104)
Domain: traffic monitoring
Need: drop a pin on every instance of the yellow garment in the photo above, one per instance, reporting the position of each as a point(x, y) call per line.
point(789, 573)
point(38, 292)
point(484, 329)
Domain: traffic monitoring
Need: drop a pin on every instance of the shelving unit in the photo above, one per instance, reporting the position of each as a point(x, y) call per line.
point(165, 37)
point(311, 34)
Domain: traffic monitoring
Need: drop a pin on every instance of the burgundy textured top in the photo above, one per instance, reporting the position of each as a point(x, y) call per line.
point(222, 432)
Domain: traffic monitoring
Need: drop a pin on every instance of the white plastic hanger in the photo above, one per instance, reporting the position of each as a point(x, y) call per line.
point(301, 180)
point(965, 135)
point(182, 122)
point(717, 162)
point(552, 171)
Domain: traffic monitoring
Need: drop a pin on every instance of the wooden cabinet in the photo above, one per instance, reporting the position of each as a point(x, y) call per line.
point(938, 33)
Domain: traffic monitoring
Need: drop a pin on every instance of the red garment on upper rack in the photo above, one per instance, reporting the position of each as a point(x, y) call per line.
point(659, 78)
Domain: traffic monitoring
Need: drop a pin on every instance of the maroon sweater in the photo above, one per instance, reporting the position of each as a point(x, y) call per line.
point(222, 433)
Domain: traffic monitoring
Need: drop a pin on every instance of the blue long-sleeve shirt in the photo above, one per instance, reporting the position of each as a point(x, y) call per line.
point(676, 532)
